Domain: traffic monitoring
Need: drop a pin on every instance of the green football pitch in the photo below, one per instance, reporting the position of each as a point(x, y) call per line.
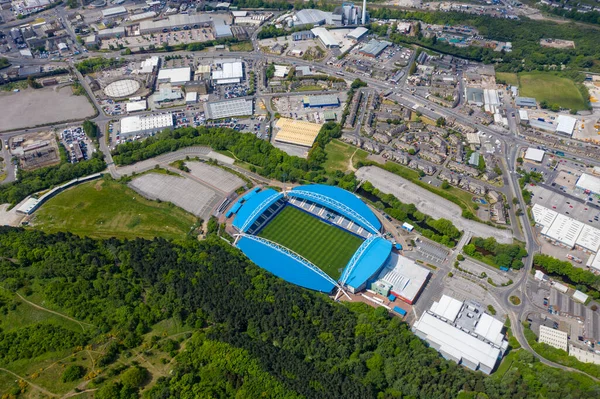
point(326, 246)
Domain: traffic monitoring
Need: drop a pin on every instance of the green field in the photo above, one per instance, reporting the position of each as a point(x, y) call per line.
point(552, 88)
point(508, 77)
point(105, 208)
point(326, 246)
point(339, 155)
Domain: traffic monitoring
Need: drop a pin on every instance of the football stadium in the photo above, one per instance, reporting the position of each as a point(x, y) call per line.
point(315, 236)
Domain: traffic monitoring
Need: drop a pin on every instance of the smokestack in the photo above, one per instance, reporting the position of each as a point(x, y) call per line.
point(364, 12)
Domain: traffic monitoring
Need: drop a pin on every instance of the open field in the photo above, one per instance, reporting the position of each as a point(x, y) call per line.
point(31, 107)
point(110, 209)
point(339, 155)
point(552, 88)
point(508, 77)
point(326, 246)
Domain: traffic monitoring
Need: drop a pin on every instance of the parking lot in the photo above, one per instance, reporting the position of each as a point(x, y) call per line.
point(186, 193)
point(565, 304)
point(215, 176)
point(75, 136)
point(586, 212)
point(431, 251)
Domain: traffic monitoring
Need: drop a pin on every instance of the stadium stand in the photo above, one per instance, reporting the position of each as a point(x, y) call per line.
point(368, 260)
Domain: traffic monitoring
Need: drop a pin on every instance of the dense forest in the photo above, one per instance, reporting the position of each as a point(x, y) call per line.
point(280, 340)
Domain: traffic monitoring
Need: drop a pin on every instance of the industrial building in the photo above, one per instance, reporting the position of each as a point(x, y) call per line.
point(175, 76)
point(462, 332)
point(374, 48)
point(534, 154)
point(228, 108)
point(134, 106)
point(180, 21)
point(357, 33)
point(555, 338)
point(563, 231)
point(320, 101)
point(196, 86)
point(588, 183)
point(401, 277)
point(312, 17)
point(491, 100)
point(114, 12)
point(119, 31)
point(474, 96)
point(297, 132)
point(221, 29)
point(303, 35)
point(566, 231)
point(149, 64)
point(580, 297)
point(565, 125)
point(526, 102)
point(229, 73)
point(133, 125)
point(325, 37)
point(543, 216)
point(191, 97)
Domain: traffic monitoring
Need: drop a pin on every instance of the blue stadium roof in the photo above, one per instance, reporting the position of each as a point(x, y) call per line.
point(284, 265)
point(254, 207)
point(368, 259)
point(341, 201)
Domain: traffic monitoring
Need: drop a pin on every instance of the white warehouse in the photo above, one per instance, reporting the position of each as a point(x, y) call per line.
point(132, 125)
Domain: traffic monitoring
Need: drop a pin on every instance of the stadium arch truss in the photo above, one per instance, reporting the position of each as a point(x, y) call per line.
point(259, 210)
point(355, 260)
point(335, 205)
point(289, 253)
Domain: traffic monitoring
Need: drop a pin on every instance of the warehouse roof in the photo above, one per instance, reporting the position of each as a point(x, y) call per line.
point(447, 308)
point(525, 102)
point(475, 94)
point(534, 154)
point(111, 12)
point(375, 47)
point(178, 20)
point(311, 17)
point(589, 238)
point(589, 182)
point(358, 32)
point(229, 70)
point(222, 30)
point(523, 115)
point(405, 277)
point(134, 106)
point(228, 108)
point(457, 344)
point(134, 124)
point(580, 296)
point(490, 328)
point(564, 230)
point(325, 36)
point(175, 75)
point(565, 124)
point(321, 100)
point(543, 216)
point(297, 132)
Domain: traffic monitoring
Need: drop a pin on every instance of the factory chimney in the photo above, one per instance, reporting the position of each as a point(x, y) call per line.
point(364, 12)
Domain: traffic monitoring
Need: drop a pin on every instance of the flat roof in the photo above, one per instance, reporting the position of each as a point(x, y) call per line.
point(525, 102)
point(325, 36)
point(564, 229)
point(110, 12)
point(175, 75)
point(191, 96)
point(134, 124)
point(490, 328)
point(309, 16)
point(534, 154)
point(405, 277)
point(229, 108)
point(134, 106)
point(543, 216)
point(523, 115)
point(28, 205)
point(588, 182)
point(457, 343)
point(357, 33)
point(589, 238)
point(375, 47)
point(229, 70)
point(580, 296)
point(178, 20)
point(447, 308)
point(565, 124)
point(321, 100)
point(297, 132)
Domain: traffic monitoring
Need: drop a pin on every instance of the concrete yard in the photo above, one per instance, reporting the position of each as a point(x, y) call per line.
point(186, 193)
point(215, 176)
point(428, 203)
point(554, 200)
point(30, 107)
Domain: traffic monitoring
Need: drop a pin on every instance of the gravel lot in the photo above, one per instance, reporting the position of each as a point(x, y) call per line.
point(215, 176)
point(183, 192)
point(428, 203)
point(30, 107)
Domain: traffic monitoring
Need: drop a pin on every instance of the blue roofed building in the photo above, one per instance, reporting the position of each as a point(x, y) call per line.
point(366, 263)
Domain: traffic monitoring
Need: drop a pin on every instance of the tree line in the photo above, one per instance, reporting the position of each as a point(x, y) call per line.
point(259, 335)
point(496, 254)
point(584, 280)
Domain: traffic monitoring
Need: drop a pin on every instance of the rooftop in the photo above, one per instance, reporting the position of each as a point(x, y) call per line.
point(134, 124)
point(525, 102)
point(405, 277)
point(565, 124)
point(228, 108)
point(589, 182)
point(297, 132)
point(534, 154)
point(175, 75)
point(564, 230)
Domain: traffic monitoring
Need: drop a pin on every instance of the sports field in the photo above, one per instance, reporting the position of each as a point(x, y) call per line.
point(326, 246)
point(552, 88)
